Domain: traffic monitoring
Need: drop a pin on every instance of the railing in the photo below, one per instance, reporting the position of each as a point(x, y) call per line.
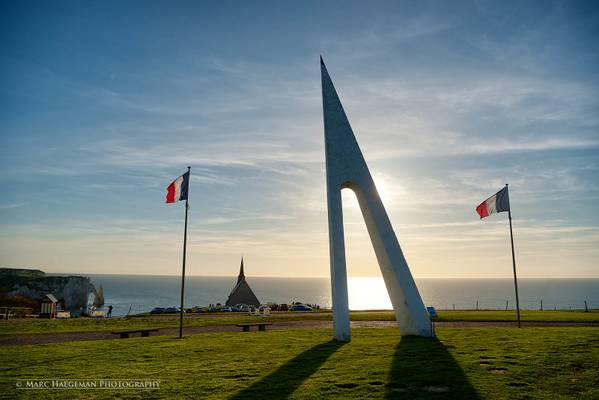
point(509, 304)
point(10, 312)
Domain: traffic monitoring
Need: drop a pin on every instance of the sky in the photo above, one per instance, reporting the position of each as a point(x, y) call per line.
point(103, 104)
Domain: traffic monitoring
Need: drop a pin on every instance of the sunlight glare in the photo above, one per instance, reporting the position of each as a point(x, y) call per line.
point(366, 293)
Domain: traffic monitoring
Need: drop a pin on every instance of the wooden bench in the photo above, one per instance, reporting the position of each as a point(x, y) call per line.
point(125, 334)
point(261, 326)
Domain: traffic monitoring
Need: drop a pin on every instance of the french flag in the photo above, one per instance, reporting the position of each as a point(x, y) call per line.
point(497, 203)
point(178, 189)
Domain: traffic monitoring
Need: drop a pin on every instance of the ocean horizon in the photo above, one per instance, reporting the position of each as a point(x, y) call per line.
point(132, 294)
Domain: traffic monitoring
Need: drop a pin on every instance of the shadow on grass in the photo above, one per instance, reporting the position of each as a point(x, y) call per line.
point(423, 368)
point(284, 381)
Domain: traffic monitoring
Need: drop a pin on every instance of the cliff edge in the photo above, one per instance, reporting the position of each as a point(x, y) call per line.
point(35, 284)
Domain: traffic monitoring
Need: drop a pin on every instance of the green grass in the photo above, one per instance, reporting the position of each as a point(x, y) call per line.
point(32, 326)
point(490, 315)
point(525, 315)
point(486, 363)
point(27, 326)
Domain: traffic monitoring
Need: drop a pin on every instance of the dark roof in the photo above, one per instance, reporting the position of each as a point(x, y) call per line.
point(242, 293)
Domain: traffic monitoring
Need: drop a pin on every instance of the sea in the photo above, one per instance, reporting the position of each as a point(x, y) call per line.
point(133, 294)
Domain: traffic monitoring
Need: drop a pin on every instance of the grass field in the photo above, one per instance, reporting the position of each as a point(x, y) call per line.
point(485, 363)
point(25, 326)
point(525, 315)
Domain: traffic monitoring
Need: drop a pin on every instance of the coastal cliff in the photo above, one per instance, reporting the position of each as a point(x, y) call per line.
point(35, 284)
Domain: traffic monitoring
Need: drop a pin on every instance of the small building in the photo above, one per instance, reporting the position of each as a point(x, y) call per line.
point(50, 305)
point(242, 293)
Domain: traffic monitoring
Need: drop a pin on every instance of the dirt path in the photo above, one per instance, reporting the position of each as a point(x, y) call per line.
point(44, 338)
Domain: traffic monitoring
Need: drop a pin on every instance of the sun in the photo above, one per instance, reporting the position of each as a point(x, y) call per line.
point(386, 188)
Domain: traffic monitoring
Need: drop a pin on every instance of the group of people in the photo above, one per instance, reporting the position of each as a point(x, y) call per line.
point(108, 313)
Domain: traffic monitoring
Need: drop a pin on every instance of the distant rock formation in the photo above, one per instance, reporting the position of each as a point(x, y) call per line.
point(35, 284)
point(98, 297)
point(242, 293)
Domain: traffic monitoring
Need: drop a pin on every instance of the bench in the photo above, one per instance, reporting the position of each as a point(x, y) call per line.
point(125, 334)
point(261, 326)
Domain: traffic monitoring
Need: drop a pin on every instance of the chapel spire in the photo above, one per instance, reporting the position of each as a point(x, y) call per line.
point(241, 274)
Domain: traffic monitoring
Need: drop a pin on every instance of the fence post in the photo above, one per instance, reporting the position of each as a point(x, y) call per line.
point(541, 304)
point(586, 307)
point(453, 307)
point(507, 302)
point(476, 305)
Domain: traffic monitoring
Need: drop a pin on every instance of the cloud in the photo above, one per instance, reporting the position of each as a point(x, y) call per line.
point(12, 205)
point(447, 105)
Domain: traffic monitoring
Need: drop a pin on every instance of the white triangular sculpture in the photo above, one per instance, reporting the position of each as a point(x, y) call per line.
point(346, 168)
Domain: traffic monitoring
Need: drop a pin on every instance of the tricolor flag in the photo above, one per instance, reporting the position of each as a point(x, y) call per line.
point(178, 189)
point(497, 203)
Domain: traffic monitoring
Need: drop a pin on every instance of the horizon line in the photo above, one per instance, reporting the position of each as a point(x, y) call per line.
point(321, 277)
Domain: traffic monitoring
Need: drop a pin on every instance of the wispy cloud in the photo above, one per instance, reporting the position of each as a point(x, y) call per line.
point(448, 104)
point(12, 205)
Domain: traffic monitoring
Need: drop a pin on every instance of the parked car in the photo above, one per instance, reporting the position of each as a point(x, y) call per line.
point(301, 307)
point(283, 307)
point(157, 310)
point(244, 307)
point(432, 313)
point(171, 310)
point(263, 310)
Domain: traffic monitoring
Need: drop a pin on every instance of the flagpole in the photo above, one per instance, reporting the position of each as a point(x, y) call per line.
point(509, 214)
point(184, 254)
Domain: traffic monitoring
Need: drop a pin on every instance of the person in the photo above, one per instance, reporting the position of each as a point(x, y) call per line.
point(109, 311)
